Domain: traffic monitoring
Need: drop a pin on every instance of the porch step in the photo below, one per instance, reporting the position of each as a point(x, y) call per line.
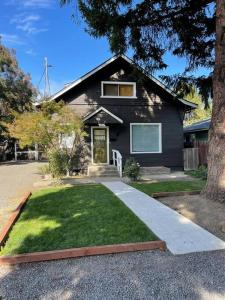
point(154, 170)
point(102, 171)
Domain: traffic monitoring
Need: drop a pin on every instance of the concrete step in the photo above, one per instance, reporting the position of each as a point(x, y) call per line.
point(102, 171)
point(154, 170)
point(102, 167)
point(103, 175)
point(92, 174)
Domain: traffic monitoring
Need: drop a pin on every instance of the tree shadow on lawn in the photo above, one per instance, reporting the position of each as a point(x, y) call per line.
point(61, 218)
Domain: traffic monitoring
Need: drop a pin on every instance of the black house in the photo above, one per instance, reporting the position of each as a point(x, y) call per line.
point(130, 112)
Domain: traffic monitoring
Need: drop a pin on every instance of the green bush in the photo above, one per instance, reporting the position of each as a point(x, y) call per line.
point(201, 172)
point(132, 169)
point(57, 162)
point(45, 169)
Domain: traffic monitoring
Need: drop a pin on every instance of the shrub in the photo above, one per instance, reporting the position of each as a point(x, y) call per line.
point(201, 172)
point(132, 169)
point(45, 169)
point(57, 162)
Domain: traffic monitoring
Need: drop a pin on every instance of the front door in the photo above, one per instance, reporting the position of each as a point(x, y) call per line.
point(100, 145)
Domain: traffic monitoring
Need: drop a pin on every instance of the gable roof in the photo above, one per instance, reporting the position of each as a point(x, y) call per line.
point(74, 83)
point(106, 111)
point(198, 126)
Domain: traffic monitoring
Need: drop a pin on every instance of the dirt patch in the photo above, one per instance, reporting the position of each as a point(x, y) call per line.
point(208, 214)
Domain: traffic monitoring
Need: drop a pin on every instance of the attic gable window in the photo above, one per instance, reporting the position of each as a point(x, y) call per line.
point(112, 89)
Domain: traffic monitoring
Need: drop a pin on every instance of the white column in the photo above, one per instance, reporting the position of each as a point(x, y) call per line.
point(15, 151)
point(36, 152)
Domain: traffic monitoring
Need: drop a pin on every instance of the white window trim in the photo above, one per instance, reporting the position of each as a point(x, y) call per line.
point(160, 138)
point(92, 145)
point(121, 83)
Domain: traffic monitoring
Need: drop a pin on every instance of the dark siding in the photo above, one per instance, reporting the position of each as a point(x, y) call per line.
point(152, 105)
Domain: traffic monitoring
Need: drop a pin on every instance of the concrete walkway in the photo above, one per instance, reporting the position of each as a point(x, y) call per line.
point(180, 234)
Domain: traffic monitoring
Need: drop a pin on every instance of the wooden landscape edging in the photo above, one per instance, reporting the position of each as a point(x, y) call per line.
point(13, 218)
point(171, 194)
point(79, 252)
point(66, 253)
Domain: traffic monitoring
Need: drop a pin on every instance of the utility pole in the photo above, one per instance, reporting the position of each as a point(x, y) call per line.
point(47, 91)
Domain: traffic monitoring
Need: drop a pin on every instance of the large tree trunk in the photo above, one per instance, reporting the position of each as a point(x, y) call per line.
point(215, 187)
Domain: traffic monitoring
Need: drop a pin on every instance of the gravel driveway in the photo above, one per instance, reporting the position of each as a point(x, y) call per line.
point(141, 275)
point(15, 179)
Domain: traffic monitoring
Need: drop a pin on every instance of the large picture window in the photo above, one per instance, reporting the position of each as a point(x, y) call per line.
point(112, 89)
point(145, 138)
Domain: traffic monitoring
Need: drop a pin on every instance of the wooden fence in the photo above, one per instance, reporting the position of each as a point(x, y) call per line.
point(195, 157)
point(203, 148)
point(191, 161)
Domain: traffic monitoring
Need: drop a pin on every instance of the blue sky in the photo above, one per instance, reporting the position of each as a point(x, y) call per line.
point(39, 28)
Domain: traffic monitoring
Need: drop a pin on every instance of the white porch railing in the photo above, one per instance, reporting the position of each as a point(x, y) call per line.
point(33, 152)
point(117, 161)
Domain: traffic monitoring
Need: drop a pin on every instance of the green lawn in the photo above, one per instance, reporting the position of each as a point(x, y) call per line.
point(169, 186)
point(67, 217)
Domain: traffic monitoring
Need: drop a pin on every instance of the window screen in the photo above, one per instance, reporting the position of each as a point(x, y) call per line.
point(145, 138)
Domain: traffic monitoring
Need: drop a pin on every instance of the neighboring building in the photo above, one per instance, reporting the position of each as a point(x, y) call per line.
point(196, 132)
point(128, 111)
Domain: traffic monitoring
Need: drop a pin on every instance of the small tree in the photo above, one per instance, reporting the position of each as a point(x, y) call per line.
point(47, 127)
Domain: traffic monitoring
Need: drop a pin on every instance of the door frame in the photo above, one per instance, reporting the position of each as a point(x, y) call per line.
point(92, 144)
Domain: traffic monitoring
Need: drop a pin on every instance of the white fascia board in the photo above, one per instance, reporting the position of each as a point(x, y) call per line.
point(74, 83)
point(193, 105)
point(105, 110)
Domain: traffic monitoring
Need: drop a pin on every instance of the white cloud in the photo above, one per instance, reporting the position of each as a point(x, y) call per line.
point(28, 28)
point(37, 3)
point(31, 3)
point(23, 18)
point(30, 52)
point(27, 23)
point(11, 39)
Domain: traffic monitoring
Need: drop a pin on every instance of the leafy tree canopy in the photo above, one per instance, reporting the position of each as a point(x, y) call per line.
point(16, 90)
point(150, 28)
point(50, 127)
point(46, 125)
point(200, 113)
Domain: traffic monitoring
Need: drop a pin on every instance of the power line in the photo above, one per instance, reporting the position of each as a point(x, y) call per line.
point(40, 79)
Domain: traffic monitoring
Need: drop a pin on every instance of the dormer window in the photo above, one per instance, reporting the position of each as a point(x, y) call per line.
point(113, 89)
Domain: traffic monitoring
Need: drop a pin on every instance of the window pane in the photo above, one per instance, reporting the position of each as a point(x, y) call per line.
point(110, 89)
point(99, 135)
point(126, 90)
point(145, 138)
